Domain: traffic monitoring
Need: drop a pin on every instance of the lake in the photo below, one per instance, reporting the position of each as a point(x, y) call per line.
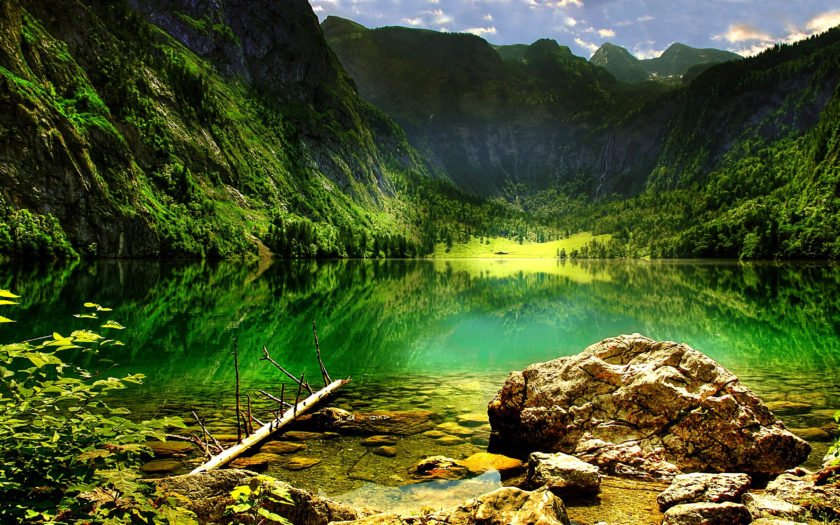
point(437, 335)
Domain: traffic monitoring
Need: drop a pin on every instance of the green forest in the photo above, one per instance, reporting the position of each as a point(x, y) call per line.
point(134, 145)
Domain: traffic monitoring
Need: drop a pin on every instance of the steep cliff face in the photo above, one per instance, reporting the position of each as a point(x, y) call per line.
point(182, 128)
point(540, 116)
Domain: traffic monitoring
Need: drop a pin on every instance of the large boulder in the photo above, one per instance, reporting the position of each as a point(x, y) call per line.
point(640, 407)
point(504, 506)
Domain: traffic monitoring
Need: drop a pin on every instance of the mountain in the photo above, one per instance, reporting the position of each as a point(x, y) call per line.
point(678, 59)
point(674, 62)
point(494, 119)
point(620, 63)
point(176, 128)
point(750, 164)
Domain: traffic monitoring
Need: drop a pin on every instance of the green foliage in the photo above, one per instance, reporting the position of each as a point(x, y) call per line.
point(26, 234)
point(834, 451)
point(253, 503)
point(66, 454)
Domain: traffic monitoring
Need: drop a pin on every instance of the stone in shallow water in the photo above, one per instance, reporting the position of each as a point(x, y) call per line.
point(763, 506)
point(701, 487)
point(257, 462)
point(281, 447)
point(161, 466)
point(434, 434)
point(299, 463)
point(480, 441)
point(707, 514)
point(481, 462)
point(449, 441)
point(473, 419)
point(299, 435)
point(450, 427)
point(812, 434)
point(395, 422)
point(438, 467)
point(632, 405)
point(375, 441)
point(385, 451)
point(164, 449)
point(562, 472)
point(788, 407)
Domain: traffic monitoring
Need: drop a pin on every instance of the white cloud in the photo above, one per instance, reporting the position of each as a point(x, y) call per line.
point(589, 46)
point(606, 33)
point(480, 31)
point(439, 17)
point(743, 33)
point(823, 22)
point(570, 21)
point(644, 18)
point(317, 8)
point(414, 22)
point(568, 3)
point(488, 17)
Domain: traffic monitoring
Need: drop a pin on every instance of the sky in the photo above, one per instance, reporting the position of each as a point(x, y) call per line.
point(645, 27)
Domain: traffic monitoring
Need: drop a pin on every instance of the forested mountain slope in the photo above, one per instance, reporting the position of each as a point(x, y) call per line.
point(673, 63)
point(494, 119)
point(185, 129)
point(750, 164)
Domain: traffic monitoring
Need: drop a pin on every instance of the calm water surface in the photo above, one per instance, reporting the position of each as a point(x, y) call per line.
point(437, 335)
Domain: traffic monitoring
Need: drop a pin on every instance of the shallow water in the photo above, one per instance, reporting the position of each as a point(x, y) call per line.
point(435, 335)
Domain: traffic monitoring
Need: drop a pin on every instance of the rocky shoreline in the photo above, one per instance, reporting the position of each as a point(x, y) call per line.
point(657, 423)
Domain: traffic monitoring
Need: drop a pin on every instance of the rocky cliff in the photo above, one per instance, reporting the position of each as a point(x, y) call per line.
point(181, 129)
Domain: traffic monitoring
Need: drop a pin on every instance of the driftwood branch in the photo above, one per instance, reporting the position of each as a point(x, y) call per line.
point(238, 408)
point(324, 374)
point(267, 357)
point(207, 435)
point(269, 428)
point(284, 405)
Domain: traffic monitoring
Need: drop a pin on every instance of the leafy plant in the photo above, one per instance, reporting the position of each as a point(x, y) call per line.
point(66, 454)
point(834, 450)
point(252, 502)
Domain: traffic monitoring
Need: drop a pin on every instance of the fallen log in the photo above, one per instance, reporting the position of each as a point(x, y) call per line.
point(269, 428)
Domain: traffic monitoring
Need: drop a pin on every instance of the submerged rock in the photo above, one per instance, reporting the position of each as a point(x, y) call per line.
point(393, 422)
point(439, 467)
point(707, 514)
point(763, 506)
point(299, 463)
point(257, 462)
point(162, 466)
point(482, 462)
point(208, 493)
point(562, 473)
point(376, 441)
point(700, 487)
point(640, 407)
point(385, 451)
point(504, 506)
point(163, 449)
point(281, 447)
